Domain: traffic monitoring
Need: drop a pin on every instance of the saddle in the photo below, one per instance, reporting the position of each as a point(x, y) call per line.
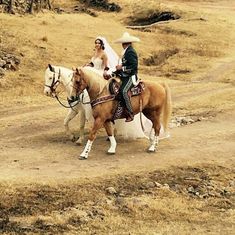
point(114, 87)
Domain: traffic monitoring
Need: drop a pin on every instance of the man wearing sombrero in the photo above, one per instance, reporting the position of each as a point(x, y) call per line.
point(127, 70)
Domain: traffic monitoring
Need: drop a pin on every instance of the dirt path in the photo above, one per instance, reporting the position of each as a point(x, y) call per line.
point(45, 154)
point(33, 145)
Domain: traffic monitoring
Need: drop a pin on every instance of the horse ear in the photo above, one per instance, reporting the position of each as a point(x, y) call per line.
point(51, 68)
point(78, 71)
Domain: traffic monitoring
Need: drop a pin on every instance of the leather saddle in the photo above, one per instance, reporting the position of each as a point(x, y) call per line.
point(114, 87)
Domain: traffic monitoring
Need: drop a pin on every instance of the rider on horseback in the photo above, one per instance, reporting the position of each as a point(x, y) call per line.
point(127, 70)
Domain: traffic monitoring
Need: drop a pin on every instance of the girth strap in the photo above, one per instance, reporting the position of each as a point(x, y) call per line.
point(102, 100)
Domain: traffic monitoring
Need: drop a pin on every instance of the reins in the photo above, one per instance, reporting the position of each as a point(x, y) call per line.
point(69, 102)
point(141, 109)
point(91, 101)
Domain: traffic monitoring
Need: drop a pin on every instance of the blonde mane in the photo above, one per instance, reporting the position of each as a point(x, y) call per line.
point(95, 78)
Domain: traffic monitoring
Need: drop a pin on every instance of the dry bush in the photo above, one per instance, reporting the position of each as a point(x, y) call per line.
point(158, 58)
point(102, 4)
point(144, 14)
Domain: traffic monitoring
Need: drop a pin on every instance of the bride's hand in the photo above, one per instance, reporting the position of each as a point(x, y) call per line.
point(119, 67)
point(106, 75)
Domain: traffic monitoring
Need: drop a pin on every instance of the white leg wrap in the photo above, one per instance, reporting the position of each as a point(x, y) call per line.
point(151, 135)
point(154, 144)
point(71, 114)
point(86, 150)
point(113, 144)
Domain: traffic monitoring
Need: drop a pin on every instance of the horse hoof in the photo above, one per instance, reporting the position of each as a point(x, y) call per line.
point(151, 150)
point(82, 158)
point(78, 143)
point(73, 139)
point(111, 153)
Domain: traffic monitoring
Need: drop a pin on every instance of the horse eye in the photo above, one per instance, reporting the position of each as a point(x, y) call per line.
point(50, 78)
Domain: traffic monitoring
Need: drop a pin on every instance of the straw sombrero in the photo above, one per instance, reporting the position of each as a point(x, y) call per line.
point(126, 37)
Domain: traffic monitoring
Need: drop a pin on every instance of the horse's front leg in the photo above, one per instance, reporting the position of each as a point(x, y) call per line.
point(71, 114)
point(109, 130)
point(81, 139)
point(96, 126)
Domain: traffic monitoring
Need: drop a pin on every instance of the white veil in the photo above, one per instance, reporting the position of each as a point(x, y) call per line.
point(113, 58)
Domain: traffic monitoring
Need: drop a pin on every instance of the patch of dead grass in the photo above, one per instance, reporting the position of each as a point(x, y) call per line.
point(136, 206)
point(215, 100)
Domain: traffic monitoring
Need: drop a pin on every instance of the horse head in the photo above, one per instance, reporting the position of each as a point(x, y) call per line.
point(52, 80)
point(79, 83)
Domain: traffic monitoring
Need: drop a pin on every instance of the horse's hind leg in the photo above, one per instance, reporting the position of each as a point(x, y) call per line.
point(71, 114)
point(96, 126)
point(155, 118)
point(81, 139)
point(109, 130)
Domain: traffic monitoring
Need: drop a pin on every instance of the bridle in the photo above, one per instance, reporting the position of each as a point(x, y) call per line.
point(53, 87)
point(82, 92)
point(54, 83)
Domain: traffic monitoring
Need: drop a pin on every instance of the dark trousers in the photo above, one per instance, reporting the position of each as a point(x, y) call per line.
point(126, 85)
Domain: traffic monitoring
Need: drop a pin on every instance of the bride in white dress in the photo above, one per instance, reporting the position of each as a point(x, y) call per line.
point(105, 58)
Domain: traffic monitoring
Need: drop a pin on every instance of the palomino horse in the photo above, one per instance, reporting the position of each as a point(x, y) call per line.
point(55, 75)
point(154, 100)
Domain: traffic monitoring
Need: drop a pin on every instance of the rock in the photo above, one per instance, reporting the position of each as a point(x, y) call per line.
point(120, 201)
point(150, 185)
point(166, 186)
point(7, 66)
point(158, 185)
point(111, 190)
point(191, 189)
point(2, 62)
point(2, 72)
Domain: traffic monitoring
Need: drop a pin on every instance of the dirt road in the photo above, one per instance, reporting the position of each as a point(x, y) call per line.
point(34, 147)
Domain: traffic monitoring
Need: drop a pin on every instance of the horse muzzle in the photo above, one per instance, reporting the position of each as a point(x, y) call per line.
point(47, 92)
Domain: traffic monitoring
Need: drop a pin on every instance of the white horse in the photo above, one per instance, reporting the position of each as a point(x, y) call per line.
point(55, 75)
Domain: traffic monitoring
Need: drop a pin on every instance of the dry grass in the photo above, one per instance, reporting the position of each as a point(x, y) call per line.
point(139, 207)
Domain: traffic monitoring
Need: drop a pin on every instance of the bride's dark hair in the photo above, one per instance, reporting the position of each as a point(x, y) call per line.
point(101, 43)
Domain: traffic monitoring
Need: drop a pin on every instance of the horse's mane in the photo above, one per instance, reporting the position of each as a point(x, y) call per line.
point(94, 77)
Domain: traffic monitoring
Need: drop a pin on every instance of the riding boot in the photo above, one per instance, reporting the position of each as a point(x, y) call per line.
point(130, 117)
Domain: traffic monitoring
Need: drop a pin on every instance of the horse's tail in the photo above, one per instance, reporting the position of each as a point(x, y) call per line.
point(167, 107)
